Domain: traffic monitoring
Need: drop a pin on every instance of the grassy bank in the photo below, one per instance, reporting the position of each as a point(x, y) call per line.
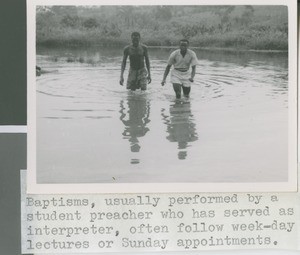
point(244, 27)
point(266, 42)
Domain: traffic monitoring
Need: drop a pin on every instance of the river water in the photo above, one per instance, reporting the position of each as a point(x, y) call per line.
point(234, 128)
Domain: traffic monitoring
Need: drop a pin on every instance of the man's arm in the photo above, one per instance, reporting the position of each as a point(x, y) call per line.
point(147, 64)
point(165, 75)
point(171, 61)
point(125, 55)
point(193, 73)
point(194, 62)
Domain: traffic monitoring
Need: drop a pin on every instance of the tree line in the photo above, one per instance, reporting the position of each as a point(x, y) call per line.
point(250, 27)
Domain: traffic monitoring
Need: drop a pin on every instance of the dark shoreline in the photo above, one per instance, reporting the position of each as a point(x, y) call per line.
point(228, 49)
point(221, 49)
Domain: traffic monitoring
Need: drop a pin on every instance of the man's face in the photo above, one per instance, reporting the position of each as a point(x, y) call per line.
point(183, 46)
point(135, 40)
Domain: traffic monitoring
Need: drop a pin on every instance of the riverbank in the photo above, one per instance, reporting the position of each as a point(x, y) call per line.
point(235, 41)
point(226, 27)
point(66, 44)
point(252, 44)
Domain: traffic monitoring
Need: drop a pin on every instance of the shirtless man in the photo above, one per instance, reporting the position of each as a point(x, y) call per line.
point(181, 76)
point(138, 76)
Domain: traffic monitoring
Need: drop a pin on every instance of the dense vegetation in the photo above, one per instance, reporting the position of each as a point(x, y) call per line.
point(238, 27)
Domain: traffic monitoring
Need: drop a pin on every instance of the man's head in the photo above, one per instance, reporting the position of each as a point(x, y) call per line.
point(135, 38)
point(184, 44)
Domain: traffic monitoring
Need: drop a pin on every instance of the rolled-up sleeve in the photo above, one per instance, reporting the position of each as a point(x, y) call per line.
point(194, 60)
point(171, 60)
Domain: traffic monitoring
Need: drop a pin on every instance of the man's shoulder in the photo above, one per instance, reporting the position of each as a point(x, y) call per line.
point(130, 46)
point(126, 48)
point(192, 52)
point(175, 52)
point(144, 45)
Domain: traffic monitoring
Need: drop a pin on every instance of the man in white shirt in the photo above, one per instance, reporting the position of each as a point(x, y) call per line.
point(181, 76)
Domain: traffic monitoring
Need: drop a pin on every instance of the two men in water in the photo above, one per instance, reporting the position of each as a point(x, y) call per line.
point(139, 77)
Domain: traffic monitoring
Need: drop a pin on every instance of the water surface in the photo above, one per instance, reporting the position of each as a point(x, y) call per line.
point(232, 129)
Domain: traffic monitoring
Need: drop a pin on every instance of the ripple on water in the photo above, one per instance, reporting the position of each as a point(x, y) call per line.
point(107, 120)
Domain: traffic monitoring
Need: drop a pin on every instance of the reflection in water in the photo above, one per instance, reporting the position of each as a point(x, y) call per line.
point(180, 126)
point(135, 116)
point(240, 91)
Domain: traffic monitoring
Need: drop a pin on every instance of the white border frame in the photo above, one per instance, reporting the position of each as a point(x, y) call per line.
point(7, 129)
point(34, 187)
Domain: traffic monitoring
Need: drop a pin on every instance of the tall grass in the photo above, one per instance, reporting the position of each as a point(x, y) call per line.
point(239, 40)
point(258, 28)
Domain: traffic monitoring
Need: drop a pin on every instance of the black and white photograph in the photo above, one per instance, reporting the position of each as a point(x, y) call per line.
point(162, 98)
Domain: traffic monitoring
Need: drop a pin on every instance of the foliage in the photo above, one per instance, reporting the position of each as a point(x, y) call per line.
point(253, 27)
point(90, 23)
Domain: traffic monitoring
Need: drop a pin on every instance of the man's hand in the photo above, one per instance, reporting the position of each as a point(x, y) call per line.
point(191, 79)
point(163, 82)
point(121, 80)
point(149, 79)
